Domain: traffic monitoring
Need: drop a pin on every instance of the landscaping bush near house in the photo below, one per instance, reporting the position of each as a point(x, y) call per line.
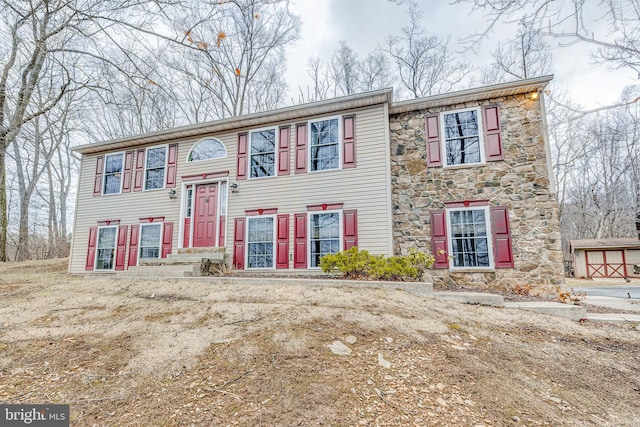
point(360, 264)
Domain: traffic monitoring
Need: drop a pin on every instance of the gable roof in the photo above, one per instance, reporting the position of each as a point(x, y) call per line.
point(626, 242)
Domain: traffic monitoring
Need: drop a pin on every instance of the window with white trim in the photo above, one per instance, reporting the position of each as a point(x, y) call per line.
point(150, 235)
point(262, 153)
point(324, 141)
point(324, 235)
point(462, 140)
point(106, 248)
point(260, 242)
point(207, 149)
point(155, 168)
point(223, 198)
point(113, 173)
point(469, 237)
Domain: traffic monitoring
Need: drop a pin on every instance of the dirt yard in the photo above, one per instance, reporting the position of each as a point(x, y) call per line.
point(150, 353)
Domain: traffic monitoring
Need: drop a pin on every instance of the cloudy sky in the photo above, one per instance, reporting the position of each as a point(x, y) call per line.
point(364, 24)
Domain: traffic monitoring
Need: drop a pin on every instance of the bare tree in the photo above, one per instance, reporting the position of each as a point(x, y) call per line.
point(375, 72)
point(424, 63)
point(345, 70)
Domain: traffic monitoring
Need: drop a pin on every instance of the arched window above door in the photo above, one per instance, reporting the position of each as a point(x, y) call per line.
point(207, 149)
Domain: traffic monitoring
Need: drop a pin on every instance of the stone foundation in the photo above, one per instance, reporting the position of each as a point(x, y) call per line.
point(519, 182)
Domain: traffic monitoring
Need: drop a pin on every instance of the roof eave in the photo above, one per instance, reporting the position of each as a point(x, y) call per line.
point(476, 94)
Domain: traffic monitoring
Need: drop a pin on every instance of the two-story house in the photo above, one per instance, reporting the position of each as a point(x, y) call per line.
point(464, 174)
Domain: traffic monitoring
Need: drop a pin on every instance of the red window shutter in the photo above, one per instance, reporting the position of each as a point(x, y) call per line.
point(238, 243)
point(139, 176)
point(167, 238)
point(492, 139)
point(502, 247)
point(283, 150)
point(439, 246)
point(97, 183)
point(133, 244)
point(300, 241)
point(301, 148)
point(221, 235)
point(91, 249)
point(121, 247)
point(126, 175)
point(350, 229)
point(241, 172)
point(282, 242)
point(172, 165)
point(434, 153)
point(186, 230)
point(349, 142)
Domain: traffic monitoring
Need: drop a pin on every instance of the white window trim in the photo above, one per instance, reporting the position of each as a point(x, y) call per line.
point(206, 160)
point(443, 140)
point(146, 224)
point(340, 143)
point(276, 147)
point(487, 216)
point(246, 251)
point(104, 173)
point(115, 248)
point(166, 162)
point(340, 236)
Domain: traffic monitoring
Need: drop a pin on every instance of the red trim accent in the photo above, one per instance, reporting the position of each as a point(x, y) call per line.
point(301, 148)
point(172, 165)
point(467, 203)
point(261, 211)
point(492, 138)
point(284, 152)
point(432, 136)
point(133, 244)
point(126, 175)
point(205, 175)
point(502, 246)
point(186, 230)
point(167, 238)
point(350, 229)
point(300, 240)
point(439, 246)
point(282, 242)
point(91, 249)
point(349, 142)
point(97, 182)
point(238, 243)
point(222, 234)
point(152, 219)
point(241, 170)
point(325, 206)
point(121, 247)
point(109, 222)
point(139, 175)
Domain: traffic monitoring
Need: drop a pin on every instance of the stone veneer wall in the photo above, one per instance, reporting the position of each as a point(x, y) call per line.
point(520, 182)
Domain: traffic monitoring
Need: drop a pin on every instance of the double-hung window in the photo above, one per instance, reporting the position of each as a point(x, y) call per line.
point(324, 137)
point(106, 248)
point(462, 137)
point(263, 153)
point(155, 168)
point(150, 240)
point(113, 174)
point(324, 236)
point(469, 237)
point(260, 242)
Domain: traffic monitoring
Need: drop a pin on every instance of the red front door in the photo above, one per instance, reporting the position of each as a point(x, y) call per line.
point(205, 215)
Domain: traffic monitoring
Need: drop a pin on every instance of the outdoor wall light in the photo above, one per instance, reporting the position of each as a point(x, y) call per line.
point(172, 193)
point(234, 187)
point(534, 95)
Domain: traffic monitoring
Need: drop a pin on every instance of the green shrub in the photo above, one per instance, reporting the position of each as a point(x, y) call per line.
point(357, 264)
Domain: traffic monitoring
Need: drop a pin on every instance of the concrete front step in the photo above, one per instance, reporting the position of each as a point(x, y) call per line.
point(567, 311)
point(476, 298)
point(177, 259)
point(208, 250)
point(614, 317)
point(186, 270)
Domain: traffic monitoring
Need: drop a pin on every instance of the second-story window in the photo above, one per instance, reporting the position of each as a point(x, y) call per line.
point(462, 141)
point(263, 153)
point(325, 145)
point(154, 168)
point(113, 174)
